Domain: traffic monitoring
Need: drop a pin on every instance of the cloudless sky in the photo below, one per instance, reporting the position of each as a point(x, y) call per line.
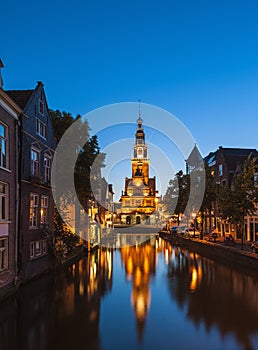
point(198, 59)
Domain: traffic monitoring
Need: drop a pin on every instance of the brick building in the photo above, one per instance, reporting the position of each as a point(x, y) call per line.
point(36, 210)
point(9, 113)
point(224, 163)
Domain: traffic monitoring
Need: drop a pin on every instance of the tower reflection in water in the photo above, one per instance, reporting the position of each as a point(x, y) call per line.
point(62, 310)
point(140, 264)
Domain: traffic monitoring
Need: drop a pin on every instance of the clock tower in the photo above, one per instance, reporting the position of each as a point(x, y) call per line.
point(140, 161)
point(139, 197)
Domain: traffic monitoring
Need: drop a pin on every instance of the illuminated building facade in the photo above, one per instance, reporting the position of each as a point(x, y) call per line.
point(139, 199)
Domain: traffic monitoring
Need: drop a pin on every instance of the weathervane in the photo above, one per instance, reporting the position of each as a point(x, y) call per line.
point(139, 108)
point(139, 113)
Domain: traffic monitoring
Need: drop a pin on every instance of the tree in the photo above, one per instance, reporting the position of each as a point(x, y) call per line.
point(90, 154)
point(87, 155)
point(240, 199)
point(177, 194)
point(61, 122)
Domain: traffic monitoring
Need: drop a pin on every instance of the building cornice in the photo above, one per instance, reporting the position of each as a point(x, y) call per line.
point(38, 140)
point(9, 105)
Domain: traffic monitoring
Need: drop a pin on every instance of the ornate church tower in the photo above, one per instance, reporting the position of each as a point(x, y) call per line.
point(140, 161)
point(139, 197)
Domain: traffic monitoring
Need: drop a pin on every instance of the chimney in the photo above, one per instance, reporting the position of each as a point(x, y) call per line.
point(1, 79)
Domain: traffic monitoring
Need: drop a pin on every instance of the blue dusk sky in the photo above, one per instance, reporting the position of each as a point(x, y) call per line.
point(197, 59)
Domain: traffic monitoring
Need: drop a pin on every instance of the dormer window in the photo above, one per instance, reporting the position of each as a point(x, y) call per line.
point(41, 107)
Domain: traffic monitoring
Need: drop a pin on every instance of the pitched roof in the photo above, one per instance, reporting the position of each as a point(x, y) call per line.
point(195, 157)
point(20, 97)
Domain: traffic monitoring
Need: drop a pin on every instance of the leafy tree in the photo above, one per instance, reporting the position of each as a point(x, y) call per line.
point(90, 154)
point(239, 200)
point(177, 194)
point(87, 154)
point(61, 122)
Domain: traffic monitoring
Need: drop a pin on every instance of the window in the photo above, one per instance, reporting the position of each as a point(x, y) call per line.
point(148, 202)
point(3, 254)
point(140, 152)
point(38, 248)
point(47, 166)
point(34, 162)
point(3, 146)
point(44, 247)
point(34, 199)
point(220, 170)
point(41, 128)
point(256, 179)
point(3, 202)
point(44, 210)
point(41, 107)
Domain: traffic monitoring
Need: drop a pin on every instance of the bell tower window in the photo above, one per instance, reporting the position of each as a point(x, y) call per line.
point(140, 152)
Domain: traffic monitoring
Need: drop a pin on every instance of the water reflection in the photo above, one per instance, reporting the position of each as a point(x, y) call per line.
point(167, 286)
point(78, 294)
point(214, 295)
point(140, 264)
point(59, 311)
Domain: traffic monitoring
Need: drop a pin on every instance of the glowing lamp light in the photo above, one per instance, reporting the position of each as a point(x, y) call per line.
point(194, 215)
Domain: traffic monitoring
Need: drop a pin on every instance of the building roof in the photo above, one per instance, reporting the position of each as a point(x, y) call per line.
point(194, 157)
point(20, 97)
point(232, 156)
point(152, 184)
point(15, 109)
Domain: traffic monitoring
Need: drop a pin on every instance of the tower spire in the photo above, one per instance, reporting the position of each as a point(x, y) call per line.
point(139, 120)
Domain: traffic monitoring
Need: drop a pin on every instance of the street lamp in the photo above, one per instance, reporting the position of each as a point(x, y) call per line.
point(194, 220)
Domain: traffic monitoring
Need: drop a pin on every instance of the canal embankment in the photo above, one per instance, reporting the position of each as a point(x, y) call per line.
point(233, 256)
point(76, 254)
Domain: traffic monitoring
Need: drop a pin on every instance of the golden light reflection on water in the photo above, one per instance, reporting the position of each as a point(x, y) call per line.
point(201, 291)
point(140, 264)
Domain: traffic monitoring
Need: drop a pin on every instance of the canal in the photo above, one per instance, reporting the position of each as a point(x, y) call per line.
point(149, 296)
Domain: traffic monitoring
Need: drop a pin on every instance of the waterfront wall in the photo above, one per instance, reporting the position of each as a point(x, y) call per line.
point(225, 254)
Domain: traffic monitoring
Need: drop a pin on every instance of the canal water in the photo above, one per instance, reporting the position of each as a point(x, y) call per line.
point(149, 296)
